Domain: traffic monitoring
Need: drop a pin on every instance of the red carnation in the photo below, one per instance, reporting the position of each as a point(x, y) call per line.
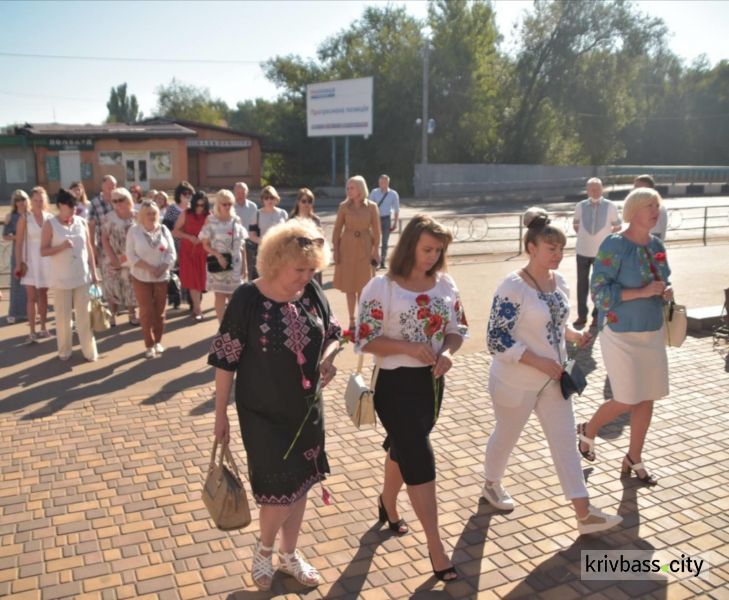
point(377, 313)
point(422, 300)
point(423, 312)
point(364, 330)
point(348, 336)
point(434, 324)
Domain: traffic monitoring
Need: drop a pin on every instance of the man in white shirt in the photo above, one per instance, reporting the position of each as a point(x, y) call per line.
point(388, 202)
point(246, 211)
point(595, 218)
point(662, 225)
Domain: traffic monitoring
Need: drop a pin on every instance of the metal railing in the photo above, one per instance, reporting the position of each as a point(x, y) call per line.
point(503, 232)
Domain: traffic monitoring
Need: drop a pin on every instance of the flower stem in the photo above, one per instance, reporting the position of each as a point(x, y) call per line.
point(436, 390)
point(298, 433)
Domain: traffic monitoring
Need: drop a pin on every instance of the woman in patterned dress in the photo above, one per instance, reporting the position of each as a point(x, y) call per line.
point(18, 298)
point(115, 268)
point(527, 336)
point(222, 237)
point(412, 320)
point(279, 337)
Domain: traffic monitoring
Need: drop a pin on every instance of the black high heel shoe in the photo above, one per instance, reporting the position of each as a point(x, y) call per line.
point(443, 573)
point(399, 527)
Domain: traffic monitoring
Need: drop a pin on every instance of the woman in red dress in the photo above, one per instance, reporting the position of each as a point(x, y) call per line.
point(192, 253)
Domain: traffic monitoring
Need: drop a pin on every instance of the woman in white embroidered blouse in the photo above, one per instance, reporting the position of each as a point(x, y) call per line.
point(151, 253)
point(412, 321)
point(527, 332)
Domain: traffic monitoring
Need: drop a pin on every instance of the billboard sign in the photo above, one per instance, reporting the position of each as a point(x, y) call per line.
point(339, 107)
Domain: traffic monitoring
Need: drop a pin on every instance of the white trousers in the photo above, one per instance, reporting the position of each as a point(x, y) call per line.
point(512, 408)
point(64, 302)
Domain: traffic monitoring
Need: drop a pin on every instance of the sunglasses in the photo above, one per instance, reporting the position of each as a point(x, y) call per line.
point(305, 242)
point(306, 201)
point(226, 204)
point(269, 197)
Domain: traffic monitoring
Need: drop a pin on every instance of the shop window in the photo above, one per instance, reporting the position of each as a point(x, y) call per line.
point(15, 170)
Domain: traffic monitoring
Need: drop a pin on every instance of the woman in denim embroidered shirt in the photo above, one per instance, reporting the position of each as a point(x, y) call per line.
point(629, 285)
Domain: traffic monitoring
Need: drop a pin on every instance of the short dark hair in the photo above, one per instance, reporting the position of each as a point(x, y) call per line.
point(66, 198)
point(183, 187)
point(403, 257)
point(199, 195)
point(646, 180)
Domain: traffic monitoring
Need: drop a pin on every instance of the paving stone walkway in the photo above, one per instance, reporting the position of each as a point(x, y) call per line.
point(101, 499)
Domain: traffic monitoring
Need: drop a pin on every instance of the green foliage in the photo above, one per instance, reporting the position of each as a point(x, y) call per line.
point(122, 108)
point(178, 100)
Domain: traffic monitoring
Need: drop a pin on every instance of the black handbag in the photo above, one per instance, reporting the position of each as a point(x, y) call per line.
point(214, 265)
point(573, 380)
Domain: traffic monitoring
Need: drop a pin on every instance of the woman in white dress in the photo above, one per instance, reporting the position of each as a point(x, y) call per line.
point(28, 252)
point(223, 238)
point(66, 240)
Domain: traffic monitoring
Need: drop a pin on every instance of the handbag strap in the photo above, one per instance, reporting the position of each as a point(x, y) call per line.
point(225, 456)
point(553, 317)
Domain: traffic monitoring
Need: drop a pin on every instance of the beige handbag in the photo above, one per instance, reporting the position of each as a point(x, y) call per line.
point(223, 493)
point(360, 397)
point(676, 323)
point(100, 316)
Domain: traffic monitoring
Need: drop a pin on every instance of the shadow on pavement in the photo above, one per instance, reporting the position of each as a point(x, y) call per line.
point(351, 581)
point(564, 566)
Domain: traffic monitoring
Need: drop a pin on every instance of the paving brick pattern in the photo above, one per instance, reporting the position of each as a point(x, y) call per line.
point(101, 499)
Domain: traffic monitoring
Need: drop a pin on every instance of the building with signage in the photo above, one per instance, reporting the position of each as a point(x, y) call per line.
point(153, 156)
point(17, 165)
point(217, 157)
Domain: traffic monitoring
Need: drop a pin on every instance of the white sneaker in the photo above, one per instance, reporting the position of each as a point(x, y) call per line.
point(149, 353)
point(497, 496)
point(159, 348)
point(597, 521)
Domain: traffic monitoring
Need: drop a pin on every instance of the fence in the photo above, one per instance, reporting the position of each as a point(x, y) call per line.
point(475, 234)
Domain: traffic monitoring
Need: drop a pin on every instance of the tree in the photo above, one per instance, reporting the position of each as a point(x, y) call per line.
point(122, 108)
point(178, 100)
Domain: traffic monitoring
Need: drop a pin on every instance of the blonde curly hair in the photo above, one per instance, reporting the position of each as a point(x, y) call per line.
point(295, 241)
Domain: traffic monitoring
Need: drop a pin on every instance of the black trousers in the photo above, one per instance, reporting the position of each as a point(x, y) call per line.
point(405, 404)
point(584, 263)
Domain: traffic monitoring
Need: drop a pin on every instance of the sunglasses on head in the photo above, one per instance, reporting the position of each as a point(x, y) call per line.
point(305, 241)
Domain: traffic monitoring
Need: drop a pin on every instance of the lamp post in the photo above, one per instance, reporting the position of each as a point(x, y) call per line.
point(424, 130)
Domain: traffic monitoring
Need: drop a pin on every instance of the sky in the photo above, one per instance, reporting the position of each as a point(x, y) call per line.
point(41, 90)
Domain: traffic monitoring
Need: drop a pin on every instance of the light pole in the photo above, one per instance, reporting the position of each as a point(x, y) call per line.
point(424, 129)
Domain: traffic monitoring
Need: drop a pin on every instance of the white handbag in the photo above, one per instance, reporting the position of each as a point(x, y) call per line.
point(360, 397)
point(676, 323)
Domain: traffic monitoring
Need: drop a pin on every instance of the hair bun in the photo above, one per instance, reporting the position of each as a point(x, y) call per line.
point(539, 222)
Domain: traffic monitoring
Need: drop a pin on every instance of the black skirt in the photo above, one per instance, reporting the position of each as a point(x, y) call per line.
point(405, 404)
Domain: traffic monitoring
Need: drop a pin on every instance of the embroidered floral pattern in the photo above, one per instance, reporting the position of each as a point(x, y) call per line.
point(370, 322)
point(558, 310)
point(288, 499)
point(504, 314)
point(226, 348)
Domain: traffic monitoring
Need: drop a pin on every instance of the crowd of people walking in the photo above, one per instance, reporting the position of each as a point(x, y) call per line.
point(278, 336)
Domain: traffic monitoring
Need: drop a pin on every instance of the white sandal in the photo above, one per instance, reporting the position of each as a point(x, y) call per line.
point(262, 567)
point(582, 438)
point(294, 564)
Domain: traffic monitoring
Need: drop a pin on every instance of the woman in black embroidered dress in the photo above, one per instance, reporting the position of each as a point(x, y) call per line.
point(279, 337)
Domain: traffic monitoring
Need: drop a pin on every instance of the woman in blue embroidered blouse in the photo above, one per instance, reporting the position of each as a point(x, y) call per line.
point(526, 336)
point(629, 286)
point(279, 337)
point(412, 320)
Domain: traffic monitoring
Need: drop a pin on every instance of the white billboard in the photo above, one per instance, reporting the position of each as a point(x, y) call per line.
point(339, 107)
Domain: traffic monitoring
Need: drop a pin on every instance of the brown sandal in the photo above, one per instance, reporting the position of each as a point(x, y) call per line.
point(648, 478)
point(582, 438)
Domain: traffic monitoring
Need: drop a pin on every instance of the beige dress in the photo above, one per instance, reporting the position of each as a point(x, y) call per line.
point(356, 232)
